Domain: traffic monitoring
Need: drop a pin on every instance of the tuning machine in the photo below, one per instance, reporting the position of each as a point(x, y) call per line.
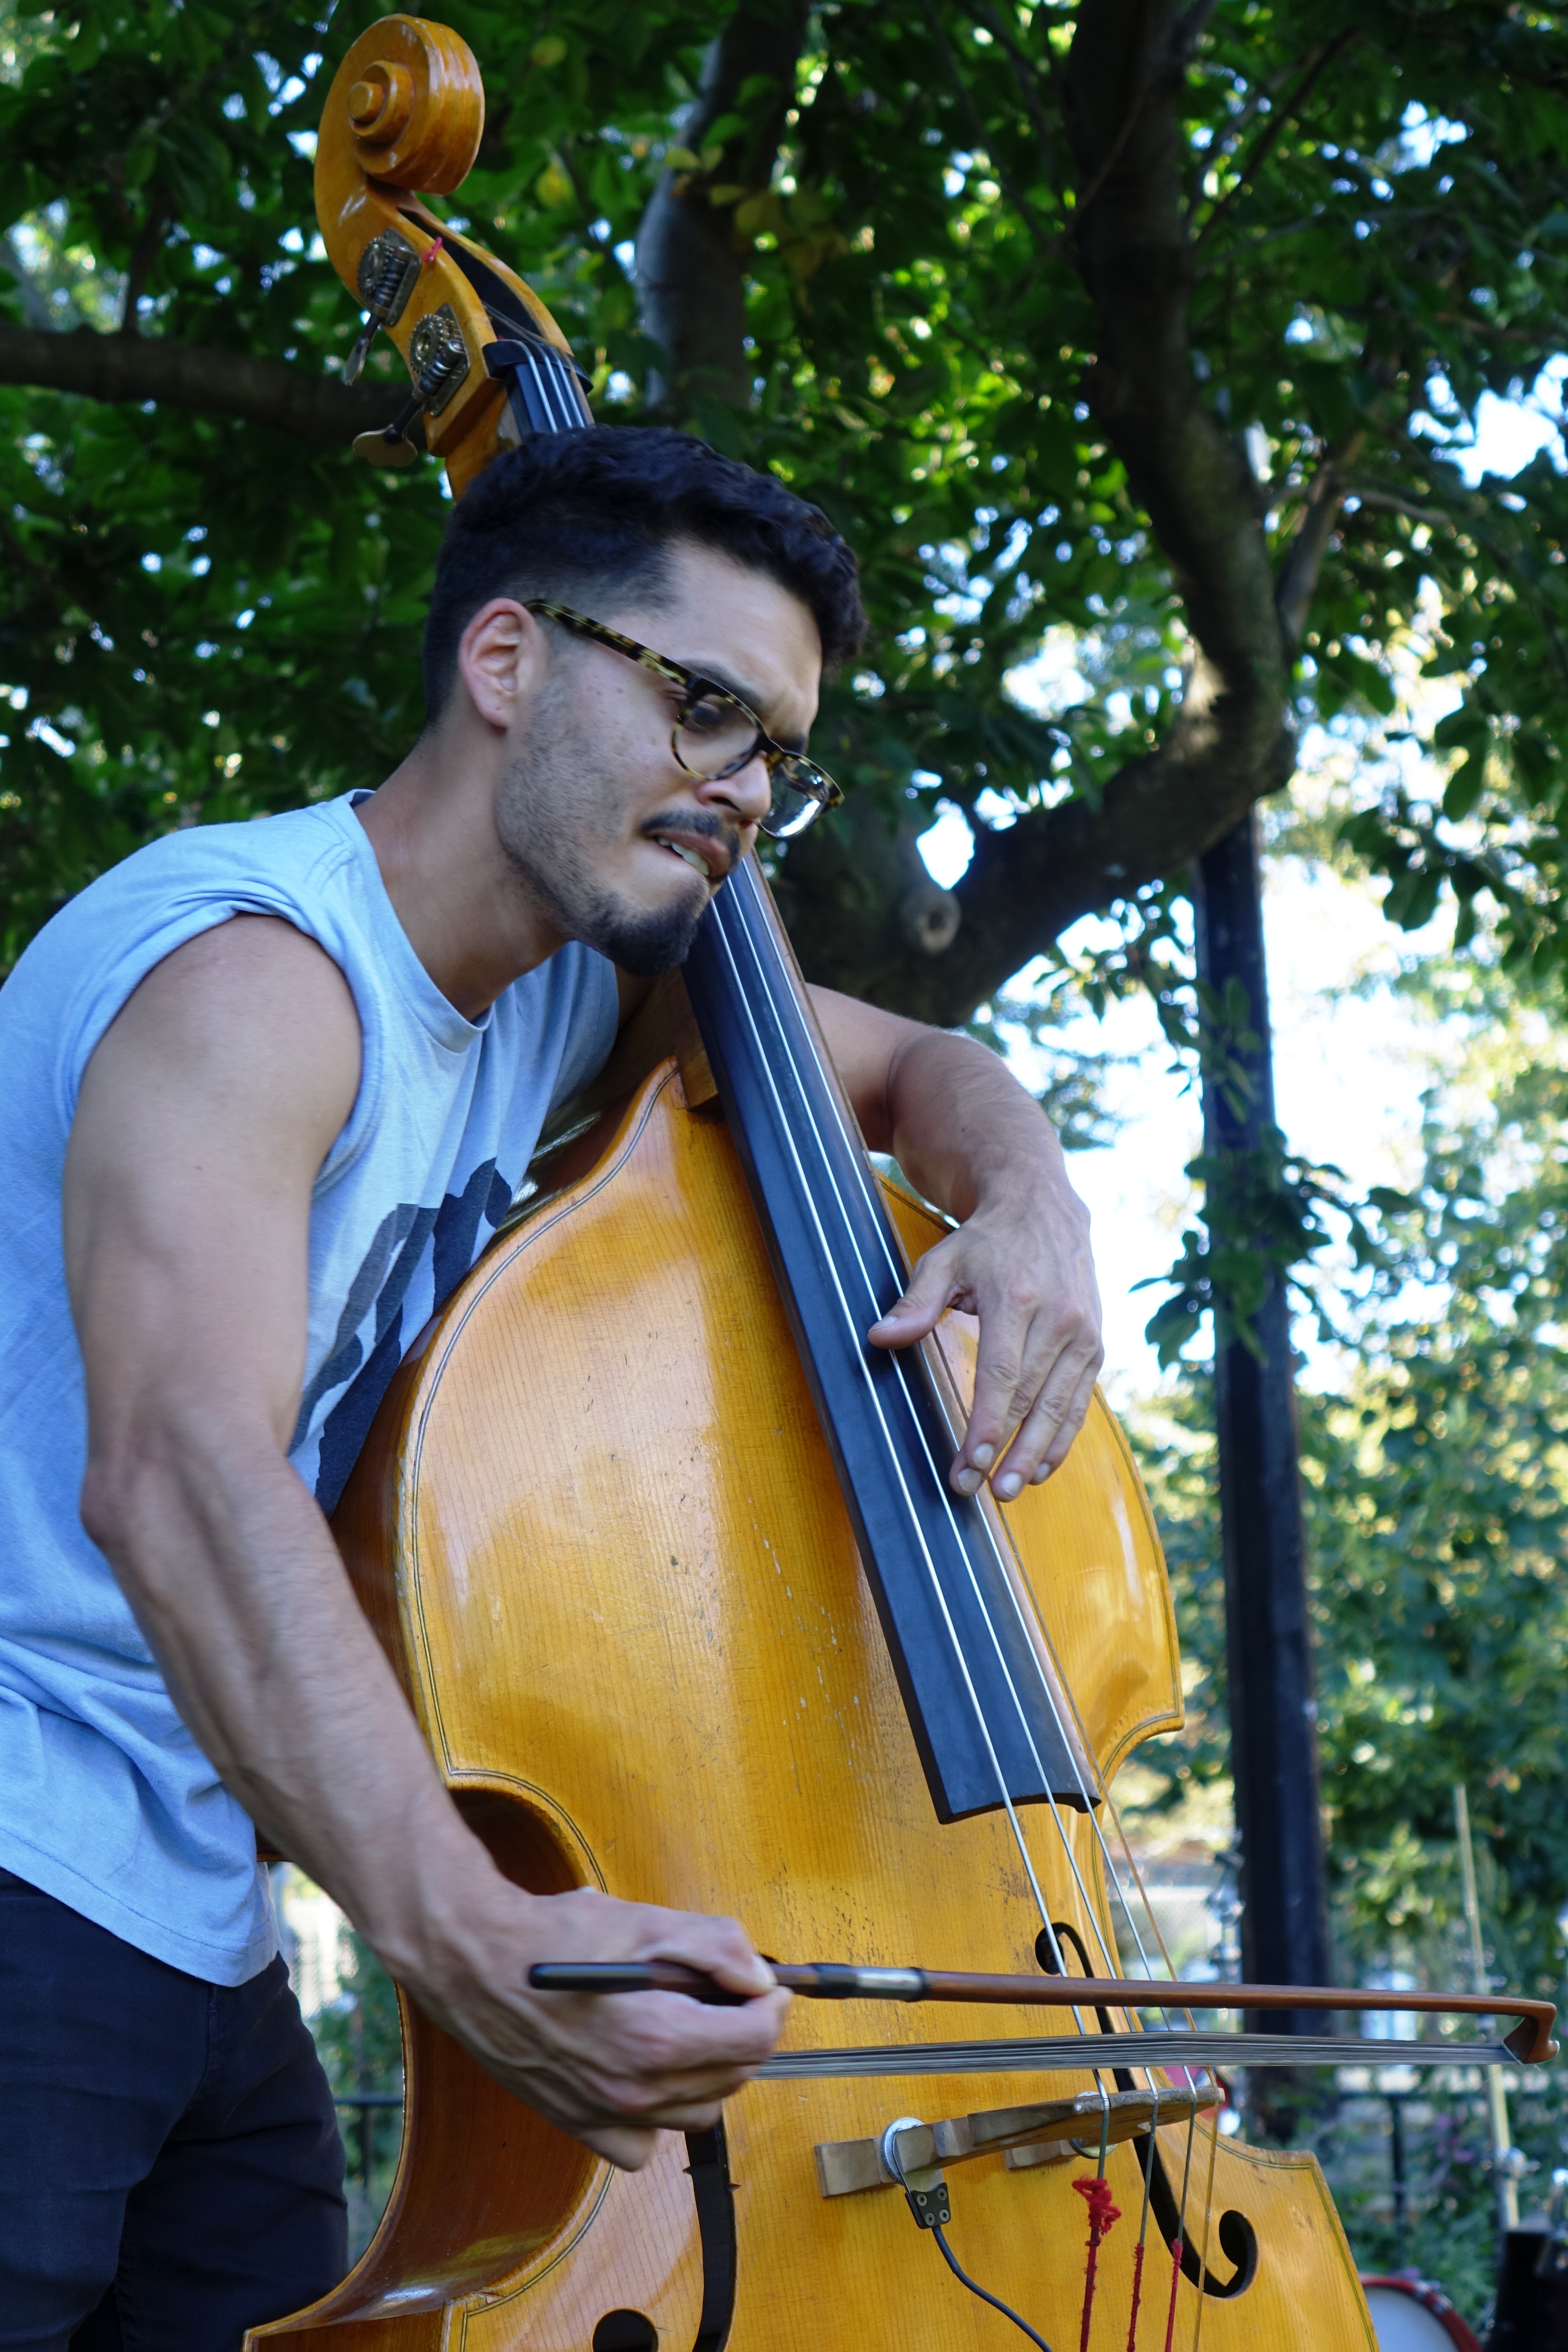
point(388, 272)
point(440, 358)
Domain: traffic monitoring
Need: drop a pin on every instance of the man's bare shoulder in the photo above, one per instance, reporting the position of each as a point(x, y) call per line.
point(250, 1022)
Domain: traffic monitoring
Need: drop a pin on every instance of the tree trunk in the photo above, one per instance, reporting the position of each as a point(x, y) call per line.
point(689, 272)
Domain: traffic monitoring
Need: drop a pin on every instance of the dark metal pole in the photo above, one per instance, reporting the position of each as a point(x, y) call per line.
point(1396, 2168)
point(1273, 1741)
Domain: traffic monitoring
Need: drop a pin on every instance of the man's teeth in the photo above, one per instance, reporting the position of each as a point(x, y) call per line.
point(692, 858)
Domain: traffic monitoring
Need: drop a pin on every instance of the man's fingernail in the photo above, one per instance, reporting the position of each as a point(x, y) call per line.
point(967, 1482)
point(1008, 1485)
point(1041, 1475)
point(983, 1456)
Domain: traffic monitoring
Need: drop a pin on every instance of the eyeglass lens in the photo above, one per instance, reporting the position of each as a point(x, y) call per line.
point(716, 737)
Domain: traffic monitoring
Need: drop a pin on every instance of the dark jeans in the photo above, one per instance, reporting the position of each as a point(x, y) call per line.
point(171, 2171)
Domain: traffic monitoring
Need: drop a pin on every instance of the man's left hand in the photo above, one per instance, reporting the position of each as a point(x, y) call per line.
point(1029, 1278)
point(967, 1135)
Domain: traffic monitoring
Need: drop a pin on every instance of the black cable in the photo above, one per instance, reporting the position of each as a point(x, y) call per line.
point(925, 2206)
point(964, 2280)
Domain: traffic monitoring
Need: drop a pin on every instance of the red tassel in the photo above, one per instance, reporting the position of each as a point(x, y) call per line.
point(1177, 2251)
point(1137, 2295)
point(1096, 2189)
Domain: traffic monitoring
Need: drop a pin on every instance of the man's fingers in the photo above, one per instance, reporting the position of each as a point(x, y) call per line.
point(672, 2040)
point(998, 1383)
point(722, 1949)
point(1032, 1391)
point(643, 2059)
point(1045, 1436)
point(929, 1294)
point(1072, 1421)
point(622, 2144)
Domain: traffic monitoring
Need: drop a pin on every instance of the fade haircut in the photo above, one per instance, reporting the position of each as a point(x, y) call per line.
point(592, 518)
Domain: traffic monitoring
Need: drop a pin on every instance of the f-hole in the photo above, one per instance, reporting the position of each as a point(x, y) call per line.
point(1068, 1939)
point(714, 2194)
point(1237, 2238)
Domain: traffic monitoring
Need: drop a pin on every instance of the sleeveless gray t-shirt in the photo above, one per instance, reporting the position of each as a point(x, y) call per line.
point(106, 1801)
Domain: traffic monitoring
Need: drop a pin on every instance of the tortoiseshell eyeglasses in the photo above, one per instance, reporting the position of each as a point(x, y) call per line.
point(715, 735)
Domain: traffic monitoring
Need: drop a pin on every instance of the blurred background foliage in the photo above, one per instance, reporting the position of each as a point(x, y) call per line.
point(1435, 1482)
point(202, 618)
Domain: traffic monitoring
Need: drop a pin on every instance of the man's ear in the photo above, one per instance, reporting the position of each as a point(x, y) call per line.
point(501, 659)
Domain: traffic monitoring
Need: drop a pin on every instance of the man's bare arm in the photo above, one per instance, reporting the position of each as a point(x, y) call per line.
point(205, 1113)
point(968, 1135)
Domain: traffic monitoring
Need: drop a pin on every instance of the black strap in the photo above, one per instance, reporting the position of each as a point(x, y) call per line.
point(714, 2194)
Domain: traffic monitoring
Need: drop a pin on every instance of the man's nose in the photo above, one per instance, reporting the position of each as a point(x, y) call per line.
point(748, 793)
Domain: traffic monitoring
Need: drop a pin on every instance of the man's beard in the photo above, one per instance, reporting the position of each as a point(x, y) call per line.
point(556, 805)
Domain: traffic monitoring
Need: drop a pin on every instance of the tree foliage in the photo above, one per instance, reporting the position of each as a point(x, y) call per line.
point(1118, 321)
point(1435, 1485)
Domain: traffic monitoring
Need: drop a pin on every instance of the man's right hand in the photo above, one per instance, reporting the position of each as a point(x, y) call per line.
point(610, 2068)
point(205, 1113)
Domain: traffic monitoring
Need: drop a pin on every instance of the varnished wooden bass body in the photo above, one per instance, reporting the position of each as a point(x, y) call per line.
point(597, 1530)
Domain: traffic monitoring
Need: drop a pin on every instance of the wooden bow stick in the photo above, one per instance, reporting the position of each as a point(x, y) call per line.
point(1530, 2043)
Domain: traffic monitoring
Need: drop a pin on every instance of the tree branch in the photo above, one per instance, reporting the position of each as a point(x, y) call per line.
point(1231, 742)
point(1027, 884)
point(691, 276)
point(143, 254)
point(192, 376)
point(1142, 56)
point(1188, 474)
point(1297, 580)
point(1437, 518)
point(1267, 138)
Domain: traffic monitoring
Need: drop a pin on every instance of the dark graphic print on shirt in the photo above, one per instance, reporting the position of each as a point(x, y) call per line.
point(365, 1358)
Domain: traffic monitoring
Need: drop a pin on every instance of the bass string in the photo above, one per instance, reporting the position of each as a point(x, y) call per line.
point(808, 1198)
point(862, 1176)
point(558, 390)
point(768, 991)
point(774, 989)
point(771, 994)
point(1115, 1887)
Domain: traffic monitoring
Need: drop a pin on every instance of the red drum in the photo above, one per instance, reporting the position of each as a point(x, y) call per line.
point(1409, 2316)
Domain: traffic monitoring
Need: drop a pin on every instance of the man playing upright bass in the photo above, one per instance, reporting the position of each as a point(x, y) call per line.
point(270, 1089)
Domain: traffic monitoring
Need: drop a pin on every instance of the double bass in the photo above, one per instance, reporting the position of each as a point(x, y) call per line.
point(666, 1562)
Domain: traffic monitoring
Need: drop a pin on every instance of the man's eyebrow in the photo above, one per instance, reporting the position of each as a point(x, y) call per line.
point(752, 695)
point(749, 695)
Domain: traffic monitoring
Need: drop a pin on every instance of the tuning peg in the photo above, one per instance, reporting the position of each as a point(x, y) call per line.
point(353, 365)
point(390, 445)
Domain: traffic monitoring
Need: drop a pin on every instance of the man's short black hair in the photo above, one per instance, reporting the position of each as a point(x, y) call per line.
point(592, 519)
